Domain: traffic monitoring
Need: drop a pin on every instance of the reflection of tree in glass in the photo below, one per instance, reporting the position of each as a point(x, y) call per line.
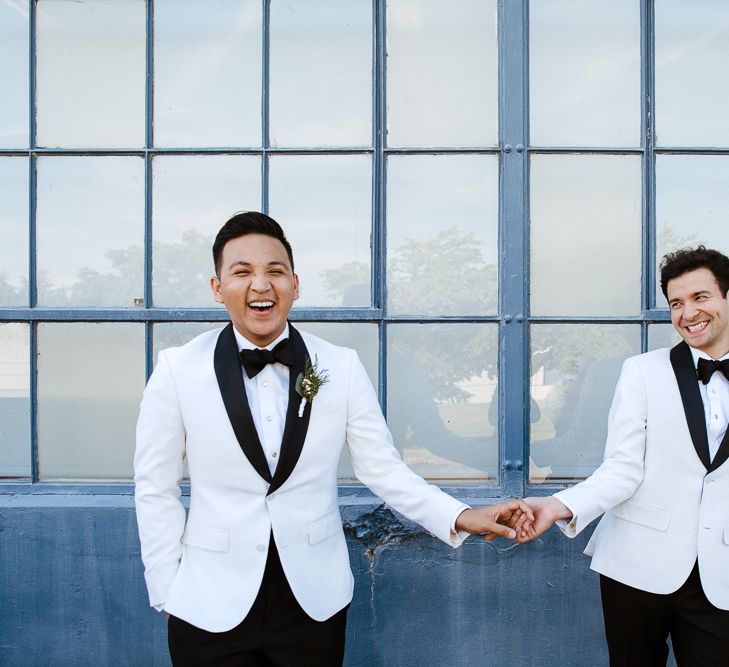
point(181, 273)
point(427, 364)
point(12, 296)
point(348, 283)
point(581, 364)
point(444, 275)
point(668, 240)
point(118, 286)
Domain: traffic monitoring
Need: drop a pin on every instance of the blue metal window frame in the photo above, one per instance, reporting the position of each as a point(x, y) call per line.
point(513, 318)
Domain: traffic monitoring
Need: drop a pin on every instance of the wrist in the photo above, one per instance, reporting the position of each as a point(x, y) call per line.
point(559, 510)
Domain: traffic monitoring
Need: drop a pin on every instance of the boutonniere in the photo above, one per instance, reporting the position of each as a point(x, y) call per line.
point(309, 382)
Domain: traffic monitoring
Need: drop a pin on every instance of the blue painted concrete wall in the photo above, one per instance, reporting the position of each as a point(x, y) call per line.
point(73, 593)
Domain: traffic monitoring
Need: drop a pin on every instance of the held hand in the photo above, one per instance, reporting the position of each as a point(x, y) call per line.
point(547, 510)
point(502, 519)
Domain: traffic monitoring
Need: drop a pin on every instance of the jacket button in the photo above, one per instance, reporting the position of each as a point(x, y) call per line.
point(261, 547)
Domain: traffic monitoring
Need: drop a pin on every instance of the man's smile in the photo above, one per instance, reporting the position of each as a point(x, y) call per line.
point(699, 326)
point(261, 306)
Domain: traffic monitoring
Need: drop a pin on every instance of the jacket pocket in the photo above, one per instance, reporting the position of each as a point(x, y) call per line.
point(206, 537)
point(330, 524)
point(651, 516)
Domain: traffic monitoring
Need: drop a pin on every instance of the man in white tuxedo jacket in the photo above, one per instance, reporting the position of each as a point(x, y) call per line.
point(258, 572)
point(662, 546)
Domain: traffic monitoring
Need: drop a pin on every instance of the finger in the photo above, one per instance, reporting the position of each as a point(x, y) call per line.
point(521, 521)
point(520, 505)
point(499, 531)
point(508, 518)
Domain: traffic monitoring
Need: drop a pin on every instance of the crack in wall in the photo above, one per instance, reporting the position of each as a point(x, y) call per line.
point(377, 531)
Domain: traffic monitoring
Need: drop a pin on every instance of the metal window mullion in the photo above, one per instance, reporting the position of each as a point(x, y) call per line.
point(378, 288)
point(32, 264)
point(513, 240)
point(265, 102)
point(148, 181)
point(33, 364)
point(649, 159)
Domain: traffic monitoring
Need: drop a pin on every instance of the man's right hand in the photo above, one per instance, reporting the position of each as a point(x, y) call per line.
point(546, 510)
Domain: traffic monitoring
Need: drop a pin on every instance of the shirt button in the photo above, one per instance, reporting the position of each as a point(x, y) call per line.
point(265, 383)
point(716, 416)
point(261, 547)
point(269, 418)
point(274, 455)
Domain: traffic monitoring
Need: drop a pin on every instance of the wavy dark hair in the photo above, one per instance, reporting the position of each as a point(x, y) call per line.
point(675, 264)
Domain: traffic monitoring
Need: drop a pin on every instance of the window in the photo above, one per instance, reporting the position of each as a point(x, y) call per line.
point(477, 201)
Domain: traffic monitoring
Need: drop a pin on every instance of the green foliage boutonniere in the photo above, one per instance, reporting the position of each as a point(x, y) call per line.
point(309, 382)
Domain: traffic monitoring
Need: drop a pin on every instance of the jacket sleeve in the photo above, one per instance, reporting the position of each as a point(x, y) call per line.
point(378, 464)
point(621, 471)
point(158, 470)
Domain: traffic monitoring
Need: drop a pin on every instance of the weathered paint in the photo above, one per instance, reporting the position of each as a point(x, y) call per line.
point(72, 593)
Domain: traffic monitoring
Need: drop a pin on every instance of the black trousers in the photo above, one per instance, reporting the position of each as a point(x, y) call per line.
point(276, 632)
point(638, 623)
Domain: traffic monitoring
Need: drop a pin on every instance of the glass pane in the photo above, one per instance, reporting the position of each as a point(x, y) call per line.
point(361, 337)
point(584, 62)
point(175, 334)
point(193, 197)
point(442, 73)
point(692, 205)
point(14, 401)
point(90, 228)
point(90, 382)
point(662, 335)
point(442, 399)
point(14, 73)
point(91, 73)
point(321, 73)
point(574, 369)
point(207, 68)
point(442, 234)
point(324, 204)
point(585, 234)
point(14, 231)
point(692, 51)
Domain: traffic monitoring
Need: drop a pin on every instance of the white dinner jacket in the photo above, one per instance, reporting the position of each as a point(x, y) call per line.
point(207, 568)
point(665, 503)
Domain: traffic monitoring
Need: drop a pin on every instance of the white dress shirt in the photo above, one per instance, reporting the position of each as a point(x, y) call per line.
point(268, 398)
point(715, 396)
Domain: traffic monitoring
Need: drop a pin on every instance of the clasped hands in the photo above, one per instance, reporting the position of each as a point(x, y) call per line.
point(520, 520)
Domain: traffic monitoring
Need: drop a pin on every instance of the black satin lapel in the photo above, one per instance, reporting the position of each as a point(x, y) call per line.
point(693, 406)
point(295, 428)
point(232, 389)
point(722, 454)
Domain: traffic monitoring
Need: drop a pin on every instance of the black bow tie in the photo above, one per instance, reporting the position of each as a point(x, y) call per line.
point(706, 369)
point(254, 361)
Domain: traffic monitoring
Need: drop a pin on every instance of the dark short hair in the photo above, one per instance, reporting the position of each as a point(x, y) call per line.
point(675, 264)
point(244, 223)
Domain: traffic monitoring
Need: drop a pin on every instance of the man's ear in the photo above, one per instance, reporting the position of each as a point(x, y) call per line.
point(215, 287)
point(296, 286)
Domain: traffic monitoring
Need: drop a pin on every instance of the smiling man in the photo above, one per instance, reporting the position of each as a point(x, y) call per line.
point(662, 546)
point(258, 572)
